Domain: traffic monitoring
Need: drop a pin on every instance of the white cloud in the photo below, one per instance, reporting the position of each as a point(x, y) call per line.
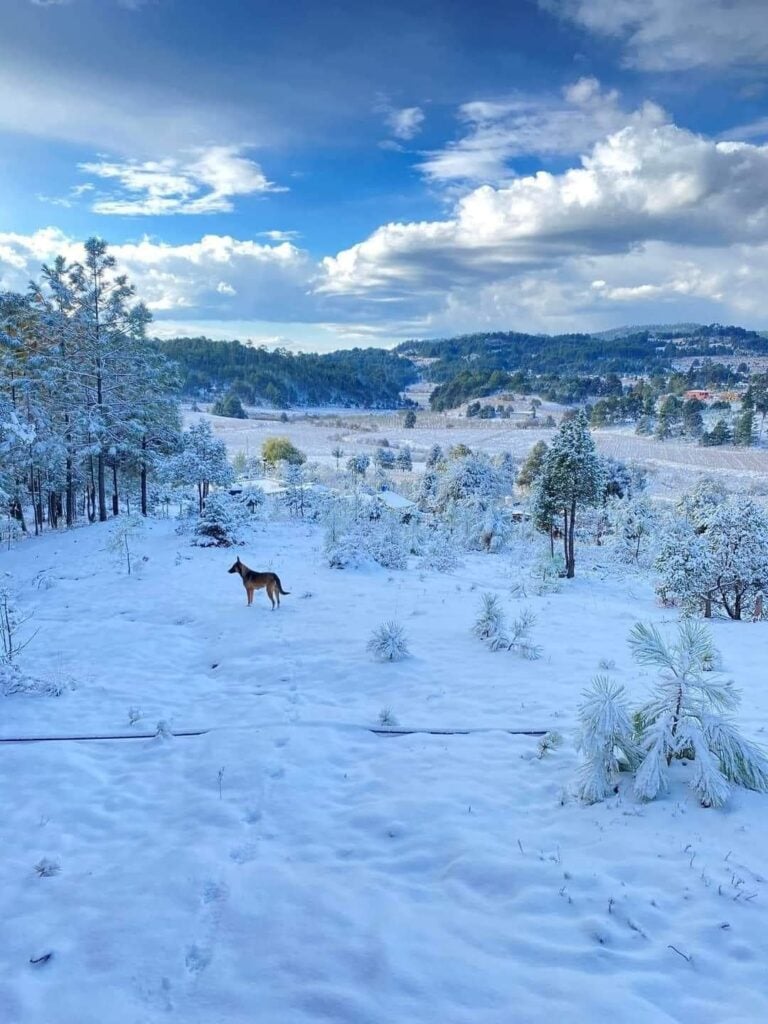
point(217, 276)
point(204, 183)
point(406, 122)
point(500, 130)
point(664, 35)
point(648, 181)
point(655, 223)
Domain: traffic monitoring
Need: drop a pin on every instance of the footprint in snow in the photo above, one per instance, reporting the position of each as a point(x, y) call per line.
point(244, 854)
point(197, 959)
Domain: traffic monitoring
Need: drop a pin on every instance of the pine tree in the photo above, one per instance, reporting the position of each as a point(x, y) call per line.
point(605, 737)
point(532, 465)
point(571, 478)
point(685, 718)
point(202, 461)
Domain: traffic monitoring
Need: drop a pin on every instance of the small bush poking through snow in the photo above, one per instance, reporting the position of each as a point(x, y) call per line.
point(388, 642)
point(387, 719)
point(490, 621)
point(606, 736)
point(491, 626)
point(549, 741)
point(46, 868)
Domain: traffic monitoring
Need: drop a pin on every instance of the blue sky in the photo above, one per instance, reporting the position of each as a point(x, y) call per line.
point(324, 175)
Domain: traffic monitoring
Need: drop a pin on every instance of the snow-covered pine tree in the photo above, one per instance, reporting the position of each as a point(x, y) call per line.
point(435, 457)
point(571, 478)
point(605, 739)
point(717, 556)
point(358, 464)
point(687, 717)
point(490, 622)
point(736, 541)
point(682, 565)
point(388, 642)
point(221, 523)
point(636, 523)
point(202, 461)
point(405, 460)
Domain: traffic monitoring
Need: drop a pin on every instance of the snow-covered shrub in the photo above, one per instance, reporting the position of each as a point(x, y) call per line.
point(252, 499)
point(517, 637)
point(438, 552)
point(387, 719)
point(13, 637)
point(490, 620)
point(358, 531)
point(492, 530)
point(681, 563)
point(549, 741)
point(635, 524)
point(717, 556)
point(605, 738)
point(14, 681)
point(547, 573)
point(125, 534)
point(388, 642)
point(491, 626)
point(470, 478)
point(221, 523)
point(686, 717)
point(387, 542)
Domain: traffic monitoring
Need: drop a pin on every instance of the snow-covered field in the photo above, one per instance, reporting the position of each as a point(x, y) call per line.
point(291, 867)
point(673, 465)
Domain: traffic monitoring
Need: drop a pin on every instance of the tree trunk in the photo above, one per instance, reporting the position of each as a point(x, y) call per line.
point(570, 559)
point(143, 477)
point(70, 498)
point(100, 476)
point(115, 498)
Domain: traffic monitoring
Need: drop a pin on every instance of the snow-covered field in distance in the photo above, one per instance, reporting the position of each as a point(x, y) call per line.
point(291, 867)
point(674, 466)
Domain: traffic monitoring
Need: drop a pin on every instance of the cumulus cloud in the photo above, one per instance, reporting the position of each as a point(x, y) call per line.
point(647, 181)
point(497, 131)
point(217, 276)
point(204, 183)
point(664, 35)
point(653, 223)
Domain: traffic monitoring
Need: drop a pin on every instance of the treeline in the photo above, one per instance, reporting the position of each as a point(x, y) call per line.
point(645, 351)
point(558, 354)
point(366, 378)
point(86, 402)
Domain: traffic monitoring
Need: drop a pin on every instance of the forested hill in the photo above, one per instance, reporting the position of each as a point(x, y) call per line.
point(627, 350)
point(370, 378)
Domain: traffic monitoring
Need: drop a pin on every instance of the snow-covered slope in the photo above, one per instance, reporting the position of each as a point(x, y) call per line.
point(292, 867)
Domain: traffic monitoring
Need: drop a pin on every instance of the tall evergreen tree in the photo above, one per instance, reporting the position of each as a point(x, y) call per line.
point(571, 478)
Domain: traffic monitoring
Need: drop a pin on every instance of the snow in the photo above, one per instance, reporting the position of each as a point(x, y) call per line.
point(395, 501)
point(291, 866)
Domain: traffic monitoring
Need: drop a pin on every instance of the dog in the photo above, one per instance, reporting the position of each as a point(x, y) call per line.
point(256, 580)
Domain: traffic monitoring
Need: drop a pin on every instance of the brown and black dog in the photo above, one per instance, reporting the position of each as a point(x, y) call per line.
point(256, 580)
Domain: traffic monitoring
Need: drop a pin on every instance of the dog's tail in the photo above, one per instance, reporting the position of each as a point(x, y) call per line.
point(285, 593)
